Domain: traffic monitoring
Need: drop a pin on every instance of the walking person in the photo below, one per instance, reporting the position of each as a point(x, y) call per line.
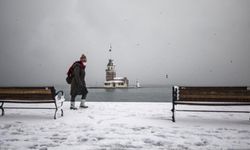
point(78, 84)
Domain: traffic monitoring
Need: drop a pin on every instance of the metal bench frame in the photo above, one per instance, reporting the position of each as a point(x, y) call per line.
point(176, 101)
point(57, 98)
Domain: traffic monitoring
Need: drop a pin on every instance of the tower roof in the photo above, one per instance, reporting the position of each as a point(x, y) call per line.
point(110, 63)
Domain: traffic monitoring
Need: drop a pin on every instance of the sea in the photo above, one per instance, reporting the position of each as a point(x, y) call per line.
point(155, 93)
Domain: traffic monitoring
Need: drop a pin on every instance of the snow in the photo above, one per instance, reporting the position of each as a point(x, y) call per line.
point(119, 125)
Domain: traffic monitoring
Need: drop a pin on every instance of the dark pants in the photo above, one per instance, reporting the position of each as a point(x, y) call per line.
point(73, 97)
point(83, 92)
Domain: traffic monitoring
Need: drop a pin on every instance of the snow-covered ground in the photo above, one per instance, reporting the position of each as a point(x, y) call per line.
point(118, 126)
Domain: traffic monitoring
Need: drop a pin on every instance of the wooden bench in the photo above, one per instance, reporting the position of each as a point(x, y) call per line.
point(29, 95)
point(210, 96)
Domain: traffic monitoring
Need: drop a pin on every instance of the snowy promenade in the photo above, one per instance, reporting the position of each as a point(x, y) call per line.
point(124, 126)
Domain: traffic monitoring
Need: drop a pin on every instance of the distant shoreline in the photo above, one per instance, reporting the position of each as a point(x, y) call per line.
point(99, 87)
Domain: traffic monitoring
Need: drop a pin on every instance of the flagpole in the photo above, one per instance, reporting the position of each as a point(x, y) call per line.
point(110, 51)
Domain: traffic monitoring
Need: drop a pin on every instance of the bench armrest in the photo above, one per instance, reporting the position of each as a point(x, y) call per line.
point(60, 92)
point(59, 98)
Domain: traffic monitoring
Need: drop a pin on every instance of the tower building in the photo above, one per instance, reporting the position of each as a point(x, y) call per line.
point(111, 80)
point(110, 71)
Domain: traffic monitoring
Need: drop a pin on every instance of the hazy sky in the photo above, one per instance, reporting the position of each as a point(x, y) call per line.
point(195, 42)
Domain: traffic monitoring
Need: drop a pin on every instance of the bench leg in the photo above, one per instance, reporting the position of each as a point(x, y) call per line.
point(55, 113)
point(60, 107)
point(61, 112)
point(55, 110)
point(1, 107)
point(173, 115)
point(174, 97)
point(173, 111)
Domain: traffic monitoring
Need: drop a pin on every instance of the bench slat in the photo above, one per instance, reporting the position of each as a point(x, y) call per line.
point(215, 97)
point(221, 94)
point(213, 92)
point(211, 103)
point(212, 88)
point(26, 96)
point(27, 93)
point(28, 101)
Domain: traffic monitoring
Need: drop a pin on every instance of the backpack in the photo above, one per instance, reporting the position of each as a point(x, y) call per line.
point(70, 74)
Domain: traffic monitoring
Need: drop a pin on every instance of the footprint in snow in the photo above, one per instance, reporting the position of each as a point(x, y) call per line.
point(81, 139)
point(91, 117)
point(203, 142)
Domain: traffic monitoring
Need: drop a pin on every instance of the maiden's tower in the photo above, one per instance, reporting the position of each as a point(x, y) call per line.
point(111, 80)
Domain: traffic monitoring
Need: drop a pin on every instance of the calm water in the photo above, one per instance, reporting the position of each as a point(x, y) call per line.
point(144, 94)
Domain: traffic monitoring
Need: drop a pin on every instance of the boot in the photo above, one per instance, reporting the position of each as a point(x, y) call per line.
point(82, 105)
point(72, 106)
